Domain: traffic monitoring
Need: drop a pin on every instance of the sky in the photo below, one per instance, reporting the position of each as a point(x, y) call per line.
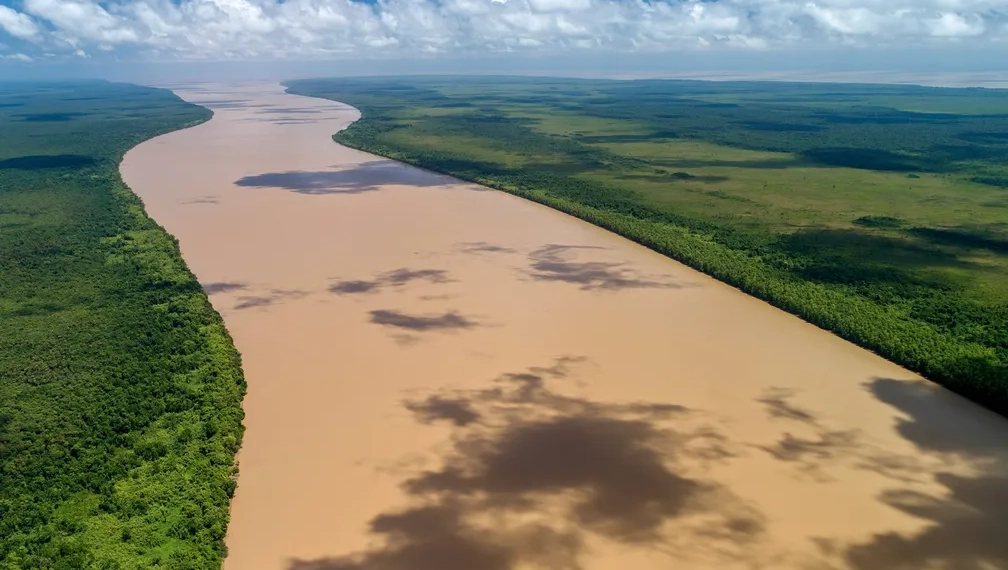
point(309, 37)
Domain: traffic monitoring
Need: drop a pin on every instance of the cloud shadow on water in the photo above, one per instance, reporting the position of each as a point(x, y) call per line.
point(554, 262)
point(818, 449)
point(395, 278)
point(365, 177)
point(272, 298)
point(458, 411)
point(966, 523)
point(289, 111)
point(223, 287)
point(201, 200)
point(778, 406)
point(281, 120)
point(966, 528)
point(222, 103)
point(532, 475)
point(483, 247)
point(448, 321)
point(932, 420)
point(352, 287)
point(443, 297)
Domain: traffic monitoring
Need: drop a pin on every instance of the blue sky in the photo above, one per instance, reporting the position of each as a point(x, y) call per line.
point(61, 36)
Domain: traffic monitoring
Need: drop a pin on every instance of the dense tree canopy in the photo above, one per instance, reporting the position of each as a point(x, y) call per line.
point(120, 389)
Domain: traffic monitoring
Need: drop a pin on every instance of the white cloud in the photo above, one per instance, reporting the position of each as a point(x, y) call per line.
point(18, 25)
point(83, 20)
point(956, 25)
point(251, 29)
point(19, 57)
point(848, 21)
point(559, 5)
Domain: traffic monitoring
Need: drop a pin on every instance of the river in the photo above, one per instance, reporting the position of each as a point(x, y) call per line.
point(446, 377)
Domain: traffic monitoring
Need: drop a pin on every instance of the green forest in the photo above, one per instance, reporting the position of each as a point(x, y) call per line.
point(878, 212)
point(120, 389)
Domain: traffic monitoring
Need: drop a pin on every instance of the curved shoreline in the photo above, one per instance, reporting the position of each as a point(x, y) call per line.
point(387, 315)
point(967, 367)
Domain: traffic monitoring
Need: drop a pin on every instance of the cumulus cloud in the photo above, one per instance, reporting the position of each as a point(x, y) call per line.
point(18, 25)
point(83, 20)
point(249, 29)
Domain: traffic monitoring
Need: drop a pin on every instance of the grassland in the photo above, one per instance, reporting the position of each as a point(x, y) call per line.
point(876, 212)
point(120, 389)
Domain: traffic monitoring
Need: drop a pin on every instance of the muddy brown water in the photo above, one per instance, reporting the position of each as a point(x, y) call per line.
point(445, 377)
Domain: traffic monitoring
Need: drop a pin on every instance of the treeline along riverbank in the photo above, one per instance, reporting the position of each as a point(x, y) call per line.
point(120, 389)
point(875, 212)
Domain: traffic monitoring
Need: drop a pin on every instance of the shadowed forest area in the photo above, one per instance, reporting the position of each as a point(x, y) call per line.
point(877, 212)
point(120, 389)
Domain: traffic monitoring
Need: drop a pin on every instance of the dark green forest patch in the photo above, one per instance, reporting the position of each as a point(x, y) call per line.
point(879, 222)
point(964, 238)
point(50, 117)
point(991, 181)
point(865, 158)
point(120, 389)
point(36, 162)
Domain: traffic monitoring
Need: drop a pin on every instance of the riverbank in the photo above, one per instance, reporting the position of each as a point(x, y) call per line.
point(120, 389)
point(438, 371)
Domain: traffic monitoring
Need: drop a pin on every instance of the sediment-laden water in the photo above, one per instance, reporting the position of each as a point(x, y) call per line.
point(445, 377)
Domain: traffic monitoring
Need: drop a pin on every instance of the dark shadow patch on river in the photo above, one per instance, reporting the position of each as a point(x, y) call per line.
point(395, 278)
point(965, 525)
point(561, 263)
point(533, 475)
point(448, 321)
point(365, 177)
point(268, 299)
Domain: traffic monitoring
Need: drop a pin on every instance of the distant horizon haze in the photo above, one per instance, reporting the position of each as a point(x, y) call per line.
point(960, 42)
point(841, 66)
